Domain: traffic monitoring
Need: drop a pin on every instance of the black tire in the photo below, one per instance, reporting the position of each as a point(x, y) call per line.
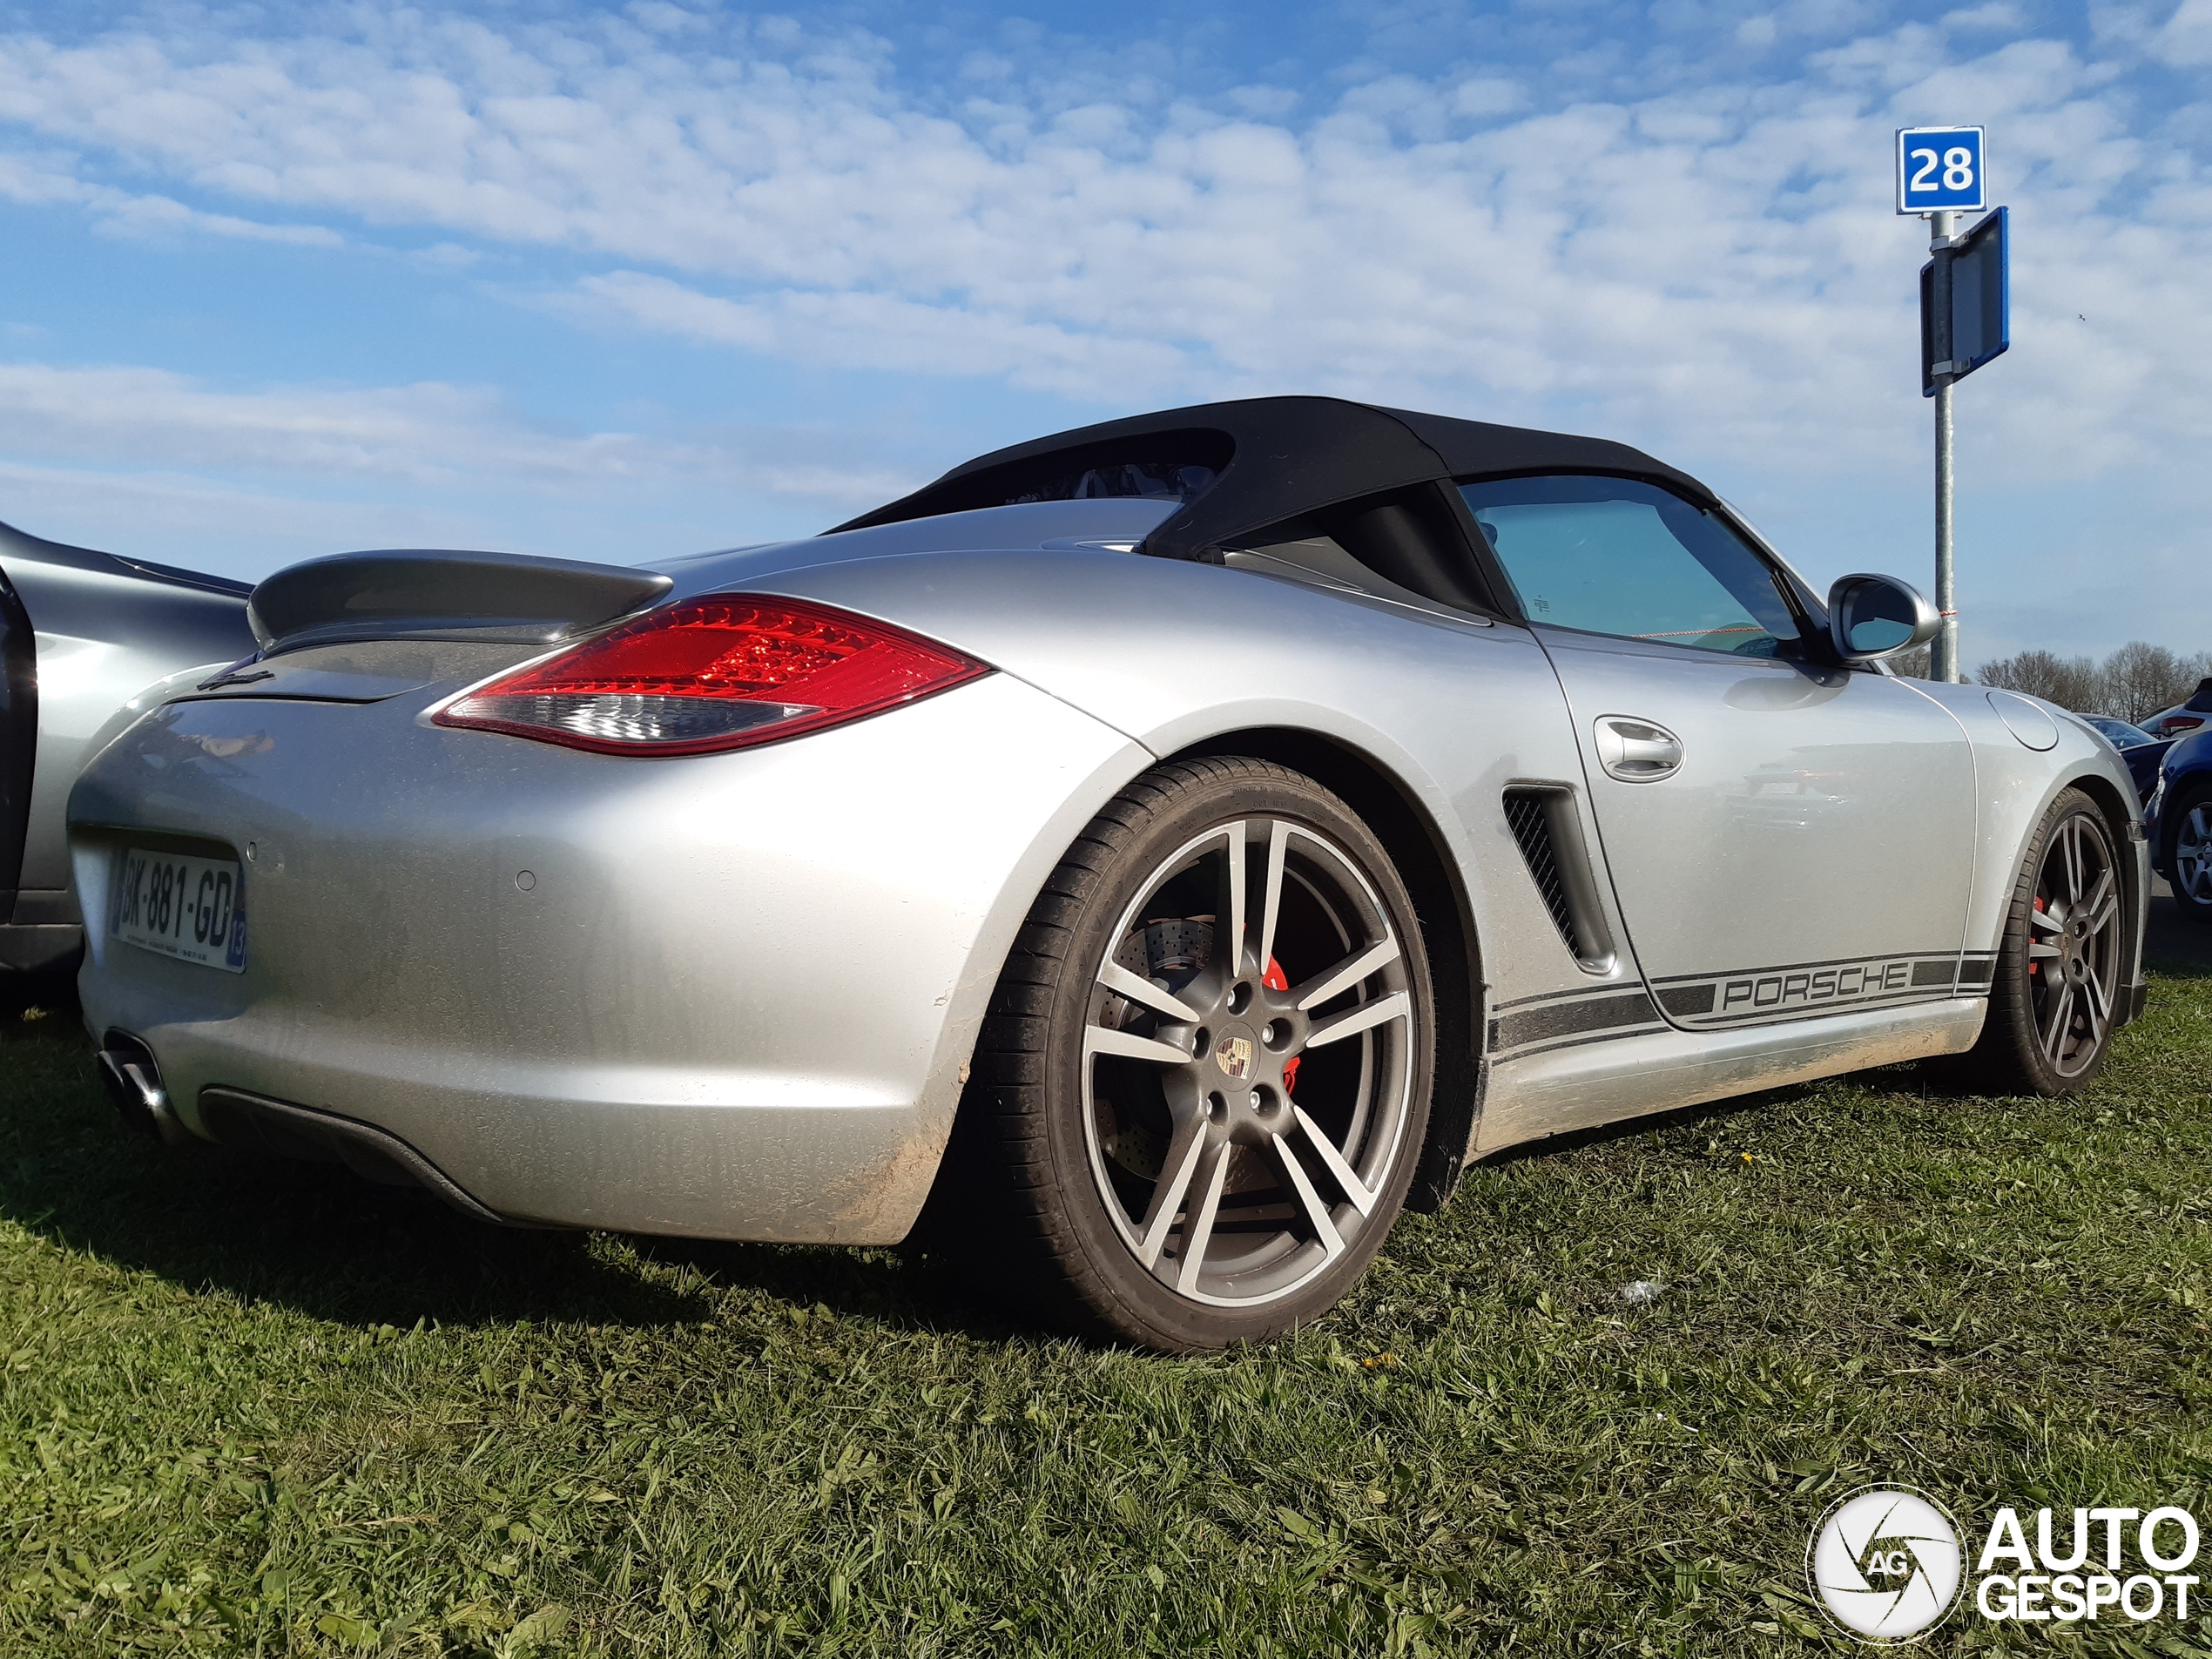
point(1085, 1146)
point(2185, 826)
point(2052, 1015)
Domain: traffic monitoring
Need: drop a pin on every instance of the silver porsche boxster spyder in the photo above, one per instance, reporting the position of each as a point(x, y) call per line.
point(1166, 850)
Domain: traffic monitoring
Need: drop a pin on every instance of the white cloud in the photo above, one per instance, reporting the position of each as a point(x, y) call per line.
point(428, 435)
point(23, 179)
point(883, 332)
point(144, 462)
point(1711, 267)
point(2184, 41)
point(1489, 95)
point(207, 523)
point(1997, 16)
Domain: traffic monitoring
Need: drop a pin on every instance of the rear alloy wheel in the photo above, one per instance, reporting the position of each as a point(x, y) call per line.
point(2058, 987)
point(1208, 1063)
point(2191, 858)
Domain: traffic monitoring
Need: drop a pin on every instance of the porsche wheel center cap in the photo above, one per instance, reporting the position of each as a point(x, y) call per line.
point(1234, 1053)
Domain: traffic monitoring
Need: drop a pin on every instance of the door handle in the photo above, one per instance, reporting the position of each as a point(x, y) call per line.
point(1637, 751)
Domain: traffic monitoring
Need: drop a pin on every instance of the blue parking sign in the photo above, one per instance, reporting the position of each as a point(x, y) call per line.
point(1939, 170)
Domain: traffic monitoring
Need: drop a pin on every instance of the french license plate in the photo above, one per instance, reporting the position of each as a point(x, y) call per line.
point(181, 905)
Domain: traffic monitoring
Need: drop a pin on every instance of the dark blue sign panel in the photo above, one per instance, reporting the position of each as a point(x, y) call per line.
point(1939, 170)
point(1966, 310)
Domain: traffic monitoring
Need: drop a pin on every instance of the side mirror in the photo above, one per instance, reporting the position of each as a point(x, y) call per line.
point(1873, 616)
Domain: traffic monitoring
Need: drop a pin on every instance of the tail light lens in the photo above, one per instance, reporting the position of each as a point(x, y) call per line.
point(722, 673)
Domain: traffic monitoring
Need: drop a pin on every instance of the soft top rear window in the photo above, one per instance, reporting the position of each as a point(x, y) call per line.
point(1176, 467)
point(1175, 480)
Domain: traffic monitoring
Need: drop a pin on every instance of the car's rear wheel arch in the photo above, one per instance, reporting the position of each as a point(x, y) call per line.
point(1417, 847)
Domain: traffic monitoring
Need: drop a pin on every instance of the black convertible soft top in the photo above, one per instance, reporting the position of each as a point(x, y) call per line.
point(1240, 467)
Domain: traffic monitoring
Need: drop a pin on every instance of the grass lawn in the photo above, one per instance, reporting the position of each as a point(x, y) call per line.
point(290, 1413)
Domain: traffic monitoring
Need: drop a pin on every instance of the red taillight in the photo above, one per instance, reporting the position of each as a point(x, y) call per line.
point(714, 673)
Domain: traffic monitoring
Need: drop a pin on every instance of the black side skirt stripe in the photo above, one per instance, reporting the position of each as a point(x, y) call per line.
point(1756, 997)
point(1611, 988)
point(1567, 1019)
point(1652, 1030)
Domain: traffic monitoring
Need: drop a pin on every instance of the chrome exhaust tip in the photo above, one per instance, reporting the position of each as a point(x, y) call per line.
point(133, 1083)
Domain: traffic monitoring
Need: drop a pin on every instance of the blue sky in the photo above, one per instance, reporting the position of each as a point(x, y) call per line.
point(625, 282)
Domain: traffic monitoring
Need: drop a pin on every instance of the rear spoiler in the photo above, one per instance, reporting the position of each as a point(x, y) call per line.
point(419, 593)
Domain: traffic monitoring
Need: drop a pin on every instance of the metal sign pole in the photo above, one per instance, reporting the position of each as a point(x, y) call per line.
point(1942, 171)
point(1943, 657)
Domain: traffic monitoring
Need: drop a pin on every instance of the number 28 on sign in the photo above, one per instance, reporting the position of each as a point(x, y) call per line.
point(1939, 170)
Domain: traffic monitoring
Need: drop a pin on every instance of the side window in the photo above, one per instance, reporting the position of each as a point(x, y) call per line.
point(1611, 556)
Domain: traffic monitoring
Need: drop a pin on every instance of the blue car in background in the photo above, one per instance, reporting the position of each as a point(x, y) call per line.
point(2186, 716)
point(2143, 753)
point(2178, 823)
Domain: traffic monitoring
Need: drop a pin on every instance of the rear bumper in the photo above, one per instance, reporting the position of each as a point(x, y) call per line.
point(729, 996)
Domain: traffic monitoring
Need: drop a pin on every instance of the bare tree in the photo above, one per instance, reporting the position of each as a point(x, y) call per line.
point(2134, 683)
point(2195, 671)
point(2071, 682)
point(2141, 680)
point(1914, 664)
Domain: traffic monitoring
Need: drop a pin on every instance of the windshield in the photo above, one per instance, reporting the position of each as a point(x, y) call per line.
point(2123, 736)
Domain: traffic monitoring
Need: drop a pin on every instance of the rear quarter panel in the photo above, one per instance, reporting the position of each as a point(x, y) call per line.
point(1177, 654)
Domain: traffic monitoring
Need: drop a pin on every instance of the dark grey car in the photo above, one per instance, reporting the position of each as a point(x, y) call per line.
point(85, 632)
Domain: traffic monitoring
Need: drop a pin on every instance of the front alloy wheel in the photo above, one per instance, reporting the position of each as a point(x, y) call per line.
point(2073, 946)
point(1210, 1059)
point(2060, 967)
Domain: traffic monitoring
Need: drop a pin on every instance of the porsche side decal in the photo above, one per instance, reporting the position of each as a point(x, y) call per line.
point(1795, 990)
point(1537, 1024)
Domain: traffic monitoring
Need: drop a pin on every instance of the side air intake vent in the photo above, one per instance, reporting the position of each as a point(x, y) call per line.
point(1543, 822)
point(1525, 816)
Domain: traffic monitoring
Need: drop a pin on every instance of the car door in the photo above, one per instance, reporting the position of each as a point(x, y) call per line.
point(1785, 836)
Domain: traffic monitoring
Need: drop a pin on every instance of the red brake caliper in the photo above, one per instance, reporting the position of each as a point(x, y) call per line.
point(2031, 966)
point(1275, 980)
